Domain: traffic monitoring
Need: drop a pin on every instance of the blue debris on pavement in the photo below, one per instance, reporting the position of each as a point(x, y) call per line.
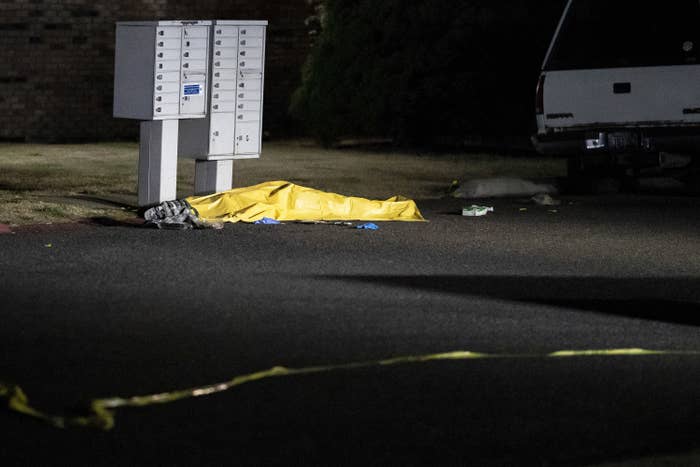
point(267, 221)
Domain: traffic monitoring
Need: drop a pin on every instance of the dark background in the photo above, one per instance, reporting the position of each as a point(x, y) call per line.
point(426, 71)
point(417, 71)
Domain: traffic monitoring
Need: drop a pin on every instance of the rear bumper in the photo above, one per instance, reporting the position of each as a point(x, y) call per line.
point(593, 141)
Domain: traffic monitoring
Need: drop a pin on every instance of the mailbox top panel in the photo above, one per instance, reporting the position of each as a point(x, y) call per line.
point(165, 23)
point(232, 22)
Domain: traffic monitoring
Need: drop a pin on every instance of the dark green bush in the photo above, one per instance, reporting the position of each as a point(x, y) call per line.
point(425, 71)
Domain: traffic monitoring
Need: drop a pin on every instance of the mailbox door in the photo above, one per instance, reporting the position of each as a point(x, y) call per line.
point(194, 69)
point(221, 134)
point(247, 138)
point(193, 96)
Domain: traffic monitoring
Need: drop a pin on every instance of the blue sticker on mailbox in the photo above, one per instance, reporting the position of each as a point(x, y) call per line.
point(192, 89)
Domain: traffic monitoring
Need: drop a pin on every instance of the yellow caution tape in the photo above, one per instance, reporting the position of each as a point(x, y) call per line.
point(102, 411)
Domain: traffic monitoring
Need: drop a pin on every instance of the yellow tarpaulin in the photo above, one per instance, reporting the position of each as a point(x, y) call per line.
point(285, 201)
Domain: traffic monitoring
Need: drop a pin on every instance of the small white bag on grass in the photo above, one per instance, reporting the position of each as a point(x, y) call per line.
point(500, 188)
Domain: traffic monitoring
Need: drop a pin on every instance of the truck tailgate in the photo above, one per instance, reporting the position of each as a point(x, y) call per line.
point(654, 96)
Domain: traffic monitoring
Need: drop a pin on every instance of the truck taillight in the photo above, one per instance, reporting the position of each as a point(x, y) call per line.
point(539, 100)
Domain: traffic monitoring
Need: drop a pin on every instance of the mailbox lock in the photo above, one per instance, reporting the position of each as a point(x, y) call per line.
point(242, 63)
point(159, 98)
point(160, 55)
point(159, 77)
point(240, 106)
point(216, 96)
point(187, 43)
point(241, 95)
point(242, 85)
point(160, 44)
point(218, 31)
point(216, 85)
point(216, 106)
point(243, 53)
point(216, 133)
point(217, 64)
point(218, 52)
point(243, 42)
point(243, 31)
point(240, 117)
point(185, 65)
point(159, 88)
point(217, 74)
point(218, 42)
point(186, 54)
point(158, 109)
point(161, 33)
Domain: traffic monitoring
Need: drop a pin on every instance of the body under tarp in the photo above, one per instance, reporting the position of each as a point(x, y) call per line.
point(285, 201)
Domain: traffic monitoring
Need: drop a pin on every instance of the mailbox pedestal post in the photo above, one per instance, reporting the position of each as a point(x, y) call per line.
point(157, 162)
point(212, 176)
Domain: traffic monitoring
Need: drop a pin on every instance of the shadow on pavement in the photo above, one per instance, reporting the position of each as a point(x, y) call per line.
point(672, 300)
point(111, 222)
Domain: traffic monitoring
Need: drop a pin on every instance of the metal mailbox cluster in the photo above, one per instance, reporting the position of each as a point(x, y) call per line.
point(197, 88)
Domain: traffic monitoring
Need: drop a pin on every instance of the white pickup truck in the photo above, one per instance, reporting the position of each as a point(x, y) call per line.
point(620, 85)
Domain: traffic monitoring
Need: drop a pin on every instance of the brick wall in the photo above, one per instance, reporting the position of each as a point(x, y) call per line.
point(57, 57)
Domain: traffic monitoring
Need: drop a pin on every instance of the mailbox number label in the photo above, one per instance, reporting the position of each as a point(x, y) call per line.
point(192, 89)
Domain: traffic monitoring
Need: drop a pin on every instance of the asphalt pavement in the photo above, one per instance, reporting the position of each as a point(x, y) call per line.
point(104, 309)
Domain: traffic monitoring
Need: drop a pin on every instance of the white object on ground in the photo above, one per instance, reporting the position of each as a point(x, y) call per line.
point(476, 211)
point(543, 199)
point(501, 187)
